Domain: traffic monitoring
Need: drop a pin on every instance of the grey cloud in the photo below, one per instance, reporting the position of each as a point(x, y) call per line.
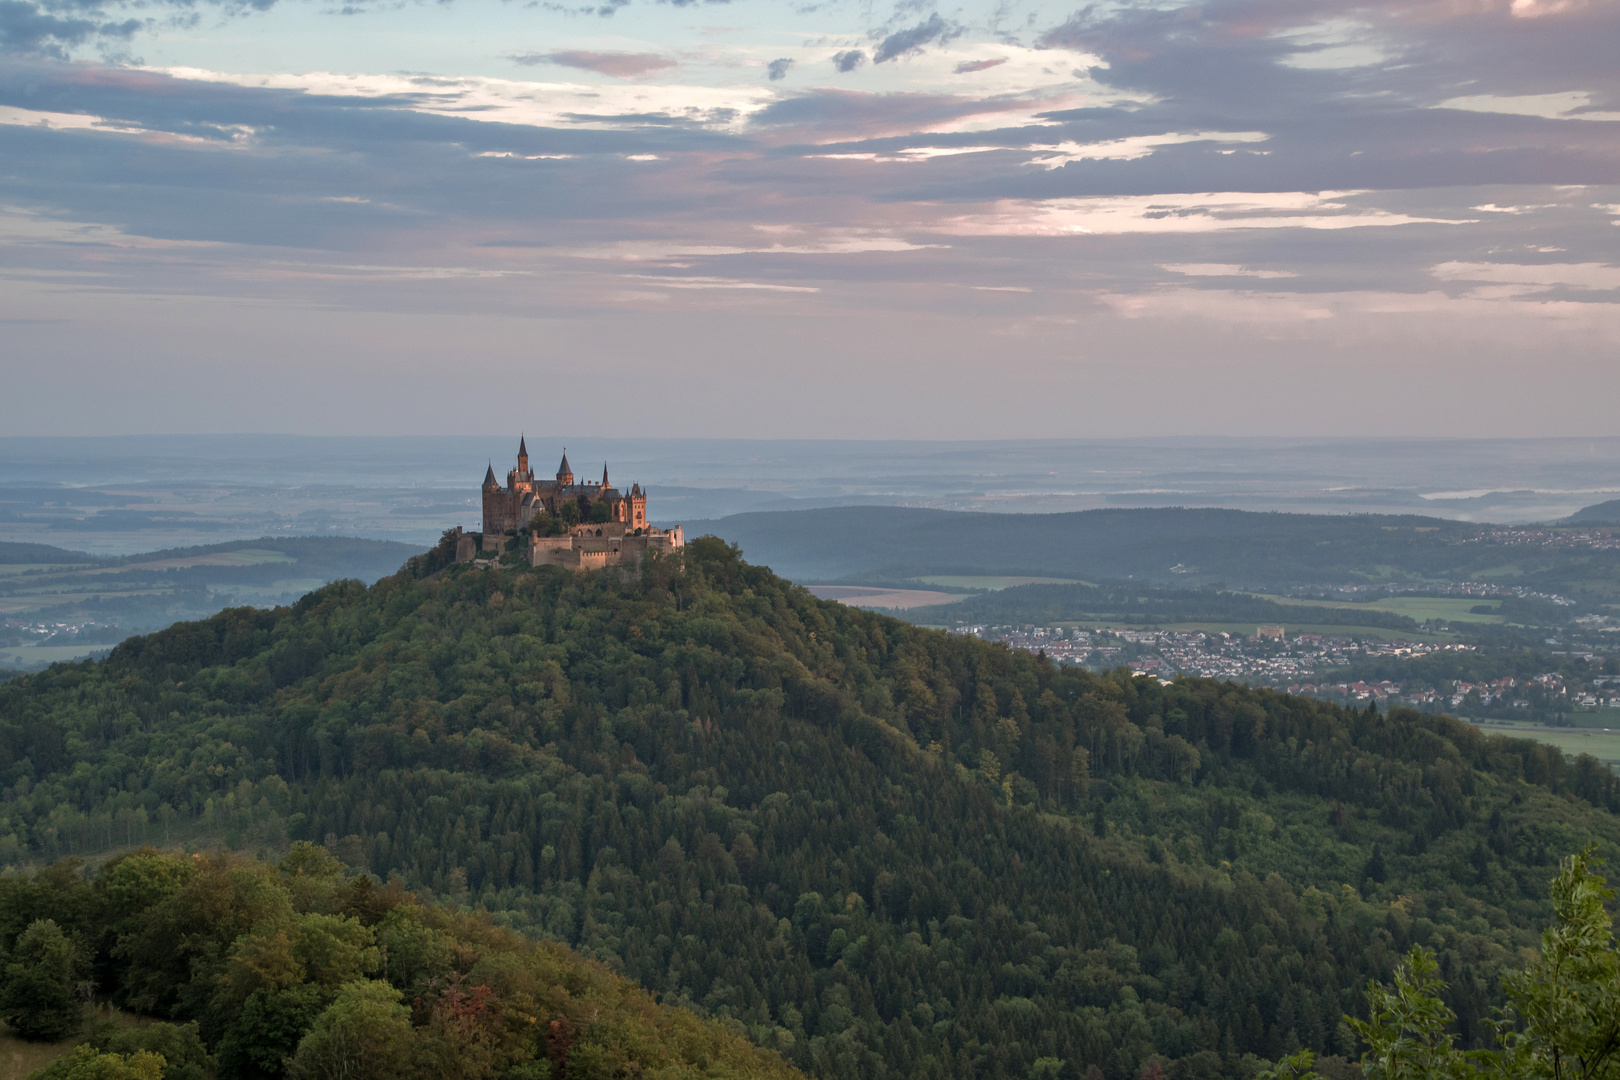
point(778, 68)
point(933, 29)
point(604, 10)
point(848, 60)
point(968, 66)
point(25, 28)
point(620, 65)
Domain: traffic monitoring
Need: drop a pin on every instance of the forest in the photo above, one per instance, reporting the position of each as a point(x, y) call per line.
point(877, 849)
point(301, 968)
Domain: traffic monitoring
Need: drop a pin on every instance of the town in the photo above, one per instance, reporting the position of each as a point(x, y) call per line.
point(1291, 663)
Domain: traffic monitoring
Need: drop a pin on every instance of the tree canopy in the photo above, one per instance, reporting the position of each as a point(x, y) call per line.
point(881, 850)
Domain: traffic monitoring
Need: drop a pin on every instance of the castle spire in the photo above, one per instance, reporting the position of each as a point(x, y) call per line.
point(523, 458)
point(489, 476)
point(604, 475)
point(565, 472)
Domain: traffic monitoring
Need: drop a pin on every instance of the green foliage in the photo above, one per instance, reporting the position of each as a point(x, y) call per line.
point(1564, 1017)
point(1407, 1027)
point(265, 1032)
point(38, 998)
point(88, 1063)
point(881, 850)
point(267, 970)
point(365, 1034)
point(179, 1046)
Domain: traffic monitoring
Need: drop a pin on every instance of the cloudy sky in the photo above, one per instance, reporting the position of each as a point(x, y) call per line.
point(842, 218)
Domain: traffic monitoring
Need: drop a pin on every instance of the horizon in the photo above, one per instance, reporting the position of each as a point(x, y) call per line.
point(752, 219)
point(126, 494)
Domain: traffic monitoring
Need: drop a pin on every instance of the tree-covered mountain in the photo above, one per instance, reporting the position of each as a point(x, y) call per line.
point(299, 968)
point(883, 850)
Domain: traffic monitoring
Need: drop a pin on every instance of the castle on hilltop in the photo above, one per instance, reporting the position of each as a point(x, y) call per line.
point(585, 524)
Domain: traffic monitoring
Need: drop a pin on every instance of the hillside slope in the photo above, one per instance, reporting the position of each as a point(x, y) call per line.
point(301, 968)
point(1603, 513)
point(883, 850)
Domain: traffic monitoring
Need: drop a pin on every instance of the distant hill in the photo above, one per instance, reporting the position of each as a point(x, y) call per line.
point(75, 604)
point(1178, 546)
point(1603, 513)
point(13, 554)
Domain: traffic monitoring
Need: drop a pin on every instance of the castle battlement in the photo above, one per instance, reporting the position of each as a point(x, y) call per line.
point(604, 526)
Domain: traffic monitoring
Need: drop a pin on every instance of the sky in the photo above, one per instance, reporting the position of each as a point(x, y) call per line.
point(850, 218)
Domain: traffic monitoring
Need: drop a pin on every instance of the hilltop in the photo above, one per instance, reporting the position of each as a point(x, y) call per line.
point(882, 850)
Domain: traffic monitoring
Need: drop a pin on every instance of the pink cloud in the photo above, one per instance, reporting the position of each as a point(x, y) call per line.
point(620, 65)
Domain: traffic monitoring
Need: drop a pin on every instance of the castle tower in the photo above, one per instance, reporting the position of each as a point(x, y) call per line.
point(605, 484)
point(490, 483)
point(638, 507)
point(565, 475)
point(523, 458)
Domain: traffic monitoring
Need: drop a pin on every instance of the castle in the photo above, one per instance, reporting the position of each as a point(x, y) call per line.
point(601, 526)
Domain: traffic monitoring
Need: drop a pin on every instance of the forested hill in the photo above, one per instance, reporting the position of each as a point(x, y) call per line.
point(1170, 546)
point(883, 850)
point(299, 966)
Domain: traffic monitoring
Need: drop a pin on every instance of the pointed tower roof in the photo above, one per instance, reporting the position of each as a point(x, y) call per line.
point(604, 475)
point(523, 447)
point(564, 467)
point(489, 476)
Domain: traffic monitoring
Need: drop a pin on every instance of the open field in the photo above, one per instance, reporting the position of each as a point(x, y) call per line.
point(991, 581)
point(238, 557)
point(1417, 608)
point(1601, 743)
point(19, 1057)
point(29, 656)
point(867, 596)
point(27, 600)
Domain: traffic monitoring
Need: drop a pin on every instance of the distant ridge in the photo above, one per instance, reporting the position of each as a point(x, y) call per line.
point(1603, 513)
point(11, 554)
point(1184, 546)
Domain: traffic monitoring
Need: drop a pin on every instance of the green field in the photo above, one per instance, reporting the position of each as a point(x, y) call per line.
point(1601, 743)
point(27, 656)
point(1417, 608)
point(993, 582)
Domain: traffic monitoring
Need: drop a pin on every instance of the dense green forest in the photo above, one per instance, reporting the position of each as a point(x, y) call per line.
point(299, 968)
point(1176, 547)
point(881, 850)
